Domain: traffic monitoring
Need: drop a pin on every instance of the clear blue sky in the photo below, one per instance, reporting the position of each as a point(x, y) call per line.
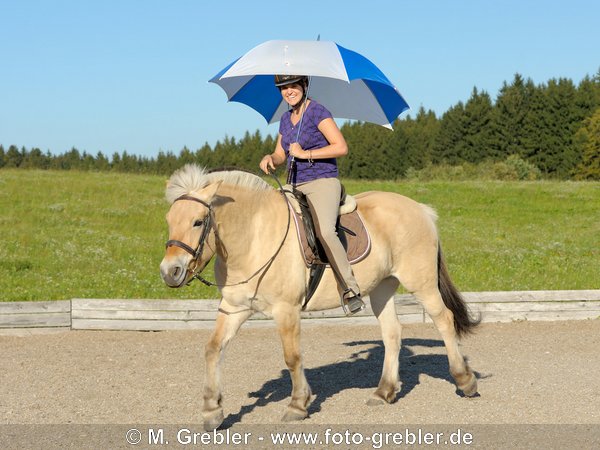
point(133, 75)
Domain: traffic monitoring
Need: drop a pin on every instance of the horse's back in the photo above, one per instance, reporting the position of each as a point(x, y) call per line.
point(393, 204)
point(392, 217)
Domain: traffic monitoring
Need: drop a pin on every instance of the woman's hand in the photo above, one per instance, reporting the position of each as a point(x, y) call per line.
point(298, 152)
point(267, 163)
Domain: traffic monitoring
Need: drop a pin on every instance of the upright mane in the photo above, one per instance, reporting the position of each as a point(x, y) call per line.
point(192, 177)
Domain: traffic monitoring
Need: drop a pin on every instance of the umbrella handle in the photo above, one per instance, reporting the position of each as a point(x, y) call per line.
point(293, 161)
point(291, 171)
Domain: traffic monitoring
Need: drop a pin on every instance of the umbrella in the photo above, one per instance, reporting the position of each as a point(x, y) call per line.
point(345, 82)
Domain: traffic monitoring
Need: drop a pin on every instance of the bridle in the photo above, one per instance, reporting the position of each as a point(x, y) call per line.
point(208, 224)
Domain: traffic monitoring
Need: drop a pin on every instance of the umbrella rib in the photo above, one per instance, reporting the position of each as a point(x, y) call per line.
point(250, 78)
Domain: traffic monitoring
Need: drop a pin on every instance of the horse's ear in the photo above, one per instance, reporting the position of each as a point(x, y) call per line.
point(207, 193)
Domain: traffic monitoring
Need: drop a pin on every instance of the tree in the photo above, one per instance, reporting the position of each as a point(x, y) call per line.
point(553, 120)
point(101, 162)
point(166, 163)
point(13, 157)
point(587, 98)
point(588, 137)
point(510, 116)
point(35, 159)
point(371, 154)
point(447, 149)
point(186, 156)
point(203, 156)
point(414, 140)
point(478, 142)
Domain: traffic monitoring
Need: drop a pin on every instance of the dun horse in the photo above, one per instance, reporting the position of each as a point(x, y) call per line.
point(245, 222)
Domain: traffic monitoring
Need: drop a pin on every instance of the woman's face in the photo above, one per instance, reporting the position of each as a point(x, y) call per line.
point(292, 93)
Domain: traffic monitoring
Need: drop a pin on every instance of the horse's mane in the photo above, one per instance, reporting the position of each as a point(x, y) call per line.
point(192, 177)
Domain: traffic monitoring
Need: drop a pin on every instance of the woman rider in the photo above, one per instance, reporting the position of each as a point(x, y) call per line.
point(312, 165)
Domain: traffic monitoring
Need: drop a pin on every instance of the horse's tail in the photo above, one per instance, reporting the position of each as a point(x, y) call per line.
point(464, 322)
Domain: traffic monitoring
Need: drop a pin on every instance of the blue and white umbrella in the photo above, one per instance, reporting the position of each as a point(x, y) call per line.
point(345, 82)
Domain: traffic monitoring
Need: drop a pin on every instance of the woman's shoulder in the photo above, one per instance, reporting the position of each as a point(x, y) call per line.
point(319, 111)
point(285, 119)
point(286, 114)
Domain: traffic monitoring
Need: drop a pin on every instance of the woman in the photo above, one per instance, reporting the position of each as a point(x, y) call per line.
point(311, 141)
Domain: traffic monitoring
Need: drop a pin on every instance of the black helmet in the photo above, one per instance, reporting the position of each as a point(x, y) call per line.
point(283, 80)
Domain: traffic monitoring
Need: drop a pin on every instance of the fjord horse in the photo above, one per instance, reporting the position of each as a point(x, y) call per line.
point(245, 222)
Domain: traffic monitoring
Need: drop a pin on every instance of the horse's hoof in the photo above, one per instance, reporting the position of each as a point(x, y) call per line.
point(382, 395)
point(213, 420)
point(293, 415)
point(470, 389)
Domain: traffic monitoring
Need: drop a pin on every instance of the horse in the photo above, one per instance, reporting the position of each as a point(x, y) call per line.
point(245, 222)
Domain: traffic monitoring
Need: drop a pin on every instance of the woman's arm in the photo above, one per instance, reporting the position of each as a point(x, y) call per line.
point(337, 144)
point(274, 159)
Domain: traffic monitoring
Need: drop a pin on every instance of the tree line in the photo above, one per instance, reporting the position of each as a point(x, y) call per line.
point(553, 127)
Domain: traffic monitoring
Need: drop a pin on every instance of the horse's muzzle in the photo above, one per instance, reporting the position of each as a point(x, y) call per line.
point(173, 272)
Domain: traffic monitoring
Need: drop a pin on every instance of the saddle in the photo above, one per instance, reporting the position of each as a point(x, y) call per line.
point(350, 229)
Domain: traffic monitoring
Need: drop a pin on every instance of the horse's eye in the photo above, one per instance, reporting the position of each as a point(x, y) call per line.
point(198, 223)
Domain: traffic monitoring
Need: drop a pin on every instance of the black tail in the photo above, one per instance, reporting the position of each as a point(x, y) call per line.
point(464, 323)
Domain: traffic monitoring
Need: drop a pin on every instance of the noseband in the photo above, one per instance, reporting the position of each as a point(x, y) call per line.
point(208, 222)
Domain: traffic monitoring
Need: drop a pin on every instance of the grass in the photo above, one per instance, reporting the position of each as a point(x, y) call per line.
point(101, 235)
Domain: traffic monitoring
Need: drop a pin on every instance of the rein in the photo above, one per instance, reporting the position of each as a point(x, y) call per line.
point(209, 223)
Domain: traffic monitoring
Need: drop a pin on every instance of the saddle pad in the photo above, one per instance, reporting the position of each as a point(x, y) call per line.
point(357, 247)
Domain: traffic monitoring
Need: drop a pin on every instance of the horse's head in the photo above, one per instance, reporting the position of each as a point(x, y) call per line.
point(191, 243)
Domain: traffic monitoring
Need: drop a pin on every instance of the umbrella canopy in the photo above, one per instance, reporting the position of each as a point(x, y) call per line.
point(345, 82)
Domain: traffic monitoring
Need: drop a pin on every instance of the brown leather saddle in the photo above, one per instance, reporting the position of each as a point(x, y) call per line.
point(350, 229)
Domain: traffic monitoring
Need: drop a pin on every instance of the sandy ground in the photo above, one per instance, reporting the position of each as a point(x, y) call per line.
point(529, 373)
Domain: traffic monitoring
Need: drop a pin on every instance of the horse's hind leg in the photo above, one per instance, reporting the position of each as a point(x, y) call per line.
point(382, 303)
point(227, 326)
point(443, 319)
point(287, 318)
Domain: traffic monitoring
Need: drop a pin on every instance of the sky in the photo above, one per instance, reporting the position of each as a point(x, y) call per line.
point(132, 75)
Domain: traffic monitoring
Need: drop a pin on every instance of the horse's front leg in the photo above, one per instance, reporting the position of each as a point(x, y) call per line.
point(227, 326)
point(288, 324)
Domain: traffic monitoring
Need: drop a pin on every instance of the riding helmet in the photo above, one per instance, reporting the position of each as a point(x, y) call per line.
point(284, 80)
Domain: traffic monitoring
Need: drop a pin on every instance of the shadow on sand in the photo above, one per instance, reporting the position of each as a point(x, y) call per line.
point(361, 370)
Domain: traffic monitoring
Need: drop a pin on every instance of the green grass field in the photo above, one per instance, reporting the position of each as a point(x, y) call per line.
point(101, 235)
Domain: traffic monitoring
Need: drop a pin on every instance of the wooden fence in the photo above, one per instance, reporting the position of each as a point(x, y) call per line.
point(104, 314)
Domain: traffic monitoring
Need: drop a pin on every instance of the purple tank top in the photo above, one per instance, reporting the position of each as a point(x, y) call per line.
point(310, 139)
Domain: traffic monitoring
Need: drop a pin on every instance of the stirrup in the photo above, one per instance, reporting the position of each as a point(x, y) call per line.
point(351, 302)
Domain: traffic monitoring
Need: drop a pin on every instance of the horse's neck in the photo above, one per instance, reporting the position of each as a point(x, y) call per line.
point(249, 221)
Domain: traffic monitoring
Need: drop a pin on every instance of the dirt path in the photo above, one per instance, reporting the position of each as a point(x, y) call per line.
point(530, 373)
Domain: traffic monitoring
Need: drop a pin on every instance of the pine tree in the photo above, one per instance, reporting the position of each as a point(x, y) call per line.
point(101, 162)
point(552, 127)
point(414, 140)
point(35, 159)
point(477, 144)
point(450, 139)
point(588, 137)
point(186, 156)
point(510, 116)
point(203, 156)
point(13, 157)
